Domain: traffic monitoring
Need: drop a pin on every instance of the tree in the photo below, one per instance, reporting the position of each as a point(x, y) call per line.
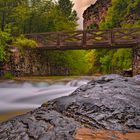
point(66, 7)
point(6, 8)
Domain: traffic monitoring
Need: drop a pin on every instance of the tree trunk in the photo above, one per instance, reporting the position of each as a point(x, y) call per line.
point(3, 21)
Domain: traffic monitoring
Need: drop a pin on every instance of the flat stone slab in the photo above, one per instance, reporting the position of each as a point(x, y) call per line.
point(88, 134)
point(109, 102)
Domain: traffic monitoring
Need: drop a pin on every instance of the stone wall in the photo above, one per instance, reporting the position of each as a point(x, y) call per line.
point(136, 60)
point(30, 62)
point(94, 14)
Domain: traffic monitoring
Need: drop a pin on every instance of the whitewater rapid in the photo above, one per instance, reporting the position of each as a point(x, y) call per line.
point(29, 95)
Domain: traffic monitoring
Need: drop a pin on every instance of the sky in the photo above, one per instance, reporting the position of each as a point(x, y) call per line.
point(80, 6)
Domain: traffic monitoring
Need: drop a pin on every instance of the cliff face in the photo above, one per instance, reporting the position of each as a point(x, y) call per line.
point(30, 62)
point(94, 14)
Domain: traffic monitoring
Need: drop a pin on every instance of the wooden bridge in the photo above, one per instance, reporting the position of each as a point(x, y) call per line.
point(88, 39)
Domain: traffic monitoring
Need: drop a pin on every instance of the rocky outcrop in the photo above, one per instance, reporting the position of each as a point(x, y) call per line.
point(30, 62)
point(41, 124)
point(108, 102)
point(96, 13)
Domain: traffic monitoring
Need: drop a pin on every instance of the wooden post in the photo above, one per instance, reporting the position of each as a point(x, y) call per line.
point(84, 42)
point(58, 40)
point(136, 60)
point(111, 37)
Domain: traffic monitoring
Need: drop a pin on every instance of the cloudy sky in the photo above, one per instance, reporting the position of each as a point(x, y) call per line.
point(80, 6)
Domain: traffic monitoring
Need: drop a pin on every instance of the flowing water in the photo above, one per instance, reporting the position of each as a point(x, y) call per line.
point(29, 95)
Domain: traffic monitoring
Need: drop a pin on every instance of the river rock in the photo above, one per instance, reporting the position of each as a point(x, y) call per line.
point(108, 102)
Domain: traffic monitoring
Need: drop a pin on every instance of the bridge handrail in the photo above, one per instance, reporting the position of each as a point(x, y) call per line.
point(88, 37)
point(114, 29)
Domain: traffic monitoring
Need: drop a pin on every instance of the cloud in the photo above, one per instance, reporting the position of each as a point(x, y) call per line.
point(80, 6)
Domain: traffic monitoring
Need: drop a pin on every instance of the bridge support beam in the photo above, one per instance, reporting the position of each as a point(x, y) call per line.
point(136, 60)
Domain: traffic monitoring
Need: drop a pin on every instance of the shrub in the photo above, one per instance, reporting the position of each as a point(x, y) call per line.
point(8, 75)
point(21, 41)
point(5, 38)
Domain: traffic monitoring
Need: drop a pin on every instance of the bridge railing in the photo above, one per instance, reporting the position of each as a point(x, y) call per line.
point(131, 35)
point(87, 38)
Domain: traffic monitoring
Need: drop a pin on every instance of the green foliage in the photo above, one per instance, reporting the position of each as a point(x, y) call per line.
point(93, 26)
point(105, 63)
point(91, 58)
point(4, 39)
point(72, 61)
point(78, 62)
point(122, 59)
point(2, 53)
point(21, 41)
point(121, 13)
point(8, 75)
point(58, 22)
point(66, 7)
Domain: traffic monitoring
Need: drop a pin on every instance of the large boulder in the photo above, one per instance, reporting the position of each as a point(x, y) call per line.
point(108, 102)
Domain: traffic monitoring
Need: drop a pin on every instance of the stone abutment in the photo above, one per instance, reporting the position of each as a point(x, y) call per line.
point(136, 60)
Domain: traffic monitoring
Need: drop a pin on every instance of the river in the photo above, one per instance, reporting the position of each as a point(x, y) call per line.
point(26, 95)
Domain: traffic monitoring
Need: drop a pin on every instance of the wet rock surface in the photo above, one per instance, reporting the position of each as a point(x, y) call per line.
point(109, 102)
point(40, 124)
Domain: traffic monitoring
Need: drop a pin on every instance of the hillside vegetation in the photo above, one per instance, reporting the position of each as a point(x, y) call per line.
point(30, 16)
point(121, 14)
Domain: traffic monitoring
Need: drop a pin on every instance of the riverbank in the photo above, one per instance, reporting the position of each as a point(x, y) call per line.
point(49, 79)
point(4, 116)
point(52, 79)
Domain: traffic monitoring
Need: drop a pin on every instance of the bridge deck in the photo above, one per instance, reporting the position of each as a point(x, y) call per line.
point(90, 39)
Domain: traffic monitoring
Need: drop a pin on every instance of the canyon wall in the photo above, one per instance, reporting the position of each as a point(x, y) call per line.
point(94, 14)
